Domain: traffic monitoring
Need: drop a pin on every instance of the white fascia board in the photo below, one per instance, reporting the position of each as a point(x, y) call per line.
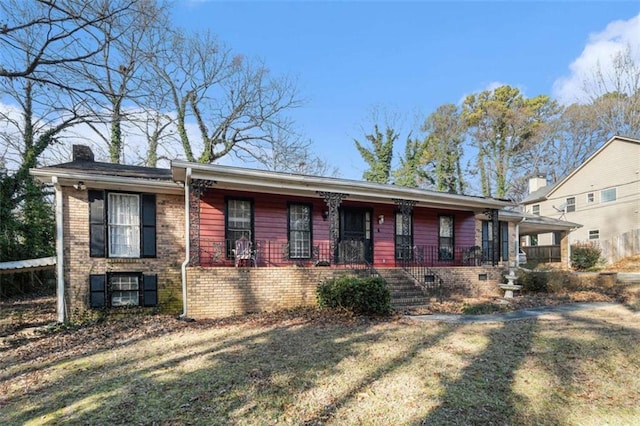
point(120, 183)
point(227, 177)
point(588, 160)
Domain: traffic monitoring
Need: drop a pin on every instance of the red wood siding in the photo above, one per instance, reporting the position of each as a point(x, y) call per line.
point(270, 222)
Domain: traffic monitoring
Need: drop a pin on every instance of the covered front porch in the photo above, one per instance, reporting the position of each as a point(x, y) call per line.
point(239, 217)
point(544, 240)
point(262, 240)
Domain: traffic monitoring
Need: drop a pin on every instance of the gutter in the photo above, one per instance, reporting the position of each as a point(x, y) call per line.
point(187, 242)
point(107, 181)
point(59, 212)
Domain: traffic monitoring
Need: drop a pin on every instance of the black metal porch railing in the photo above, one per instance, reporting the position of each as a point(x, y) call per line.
point(269, 253)
point(413, 262)
point(446, 256)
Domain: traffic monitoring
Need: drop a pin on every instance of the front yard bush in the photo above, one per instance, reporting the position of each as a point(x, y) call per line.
point(585, 257)
point(533, 282)
point(552, 282)
point(359, 295)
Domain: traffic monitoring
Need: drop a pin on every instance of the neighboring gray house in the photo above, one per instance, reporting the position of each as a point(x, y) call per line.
point(602, 194)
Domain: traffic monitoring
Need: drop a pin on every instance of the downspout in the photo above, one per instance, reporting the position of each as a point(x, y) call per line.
point(187, 242)
point(60, 308)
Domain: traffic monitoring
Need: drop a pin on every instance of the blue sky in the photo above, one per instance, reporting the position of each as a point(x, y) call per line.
point(409, 57)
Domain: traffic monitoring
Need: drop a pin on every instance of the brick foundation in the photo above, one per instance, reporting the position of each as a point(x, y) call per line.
point(467, 281)
point(222, 292)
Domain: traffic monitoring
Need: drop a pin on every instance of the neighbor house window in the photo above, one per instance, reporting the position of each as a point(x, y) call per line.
point(123, 289)
point(607, 195)
point(299, 231)
point(535, 209)
point(594, 234)
point(122, 224)
point(445, 237)
point(239, 222)
point(403, 237)
point(590, 197)
point(571, 204)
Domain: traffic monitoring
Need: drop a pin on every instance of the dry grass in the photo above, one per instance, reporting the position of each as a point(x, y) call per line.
point(628, 264)
point(312, 367)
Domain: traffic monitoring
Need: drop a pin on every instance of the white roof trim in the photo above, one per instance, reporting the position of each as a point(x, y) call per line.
point(594, 155)
point(229, 177)
point(99, 181)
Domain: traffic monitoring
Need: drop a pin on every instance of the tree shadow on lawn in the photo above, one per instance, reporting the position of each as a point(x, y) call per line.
point(207, 381)
point(571, 357)
point(594, 366)
point(111, 370)
point(483, 394)
point(204, 374)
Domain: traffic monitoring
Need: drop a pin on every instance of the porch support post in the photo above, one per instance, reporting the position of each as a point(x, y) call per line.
point(406, 208)
point(333, 201)
point(198, 188)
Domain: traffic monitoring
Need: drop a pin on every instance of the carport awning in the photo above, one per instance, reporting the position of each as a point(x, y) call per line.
point(27, 265)
point(532, 224)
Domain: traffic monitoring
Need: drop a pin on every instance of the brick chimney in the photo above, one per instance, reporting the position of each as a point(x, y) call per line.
point(82, 153)
point(536, 183)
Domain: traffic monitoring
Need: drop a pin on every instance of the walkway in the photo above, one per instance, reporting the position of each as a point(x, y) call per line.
point(523, 314)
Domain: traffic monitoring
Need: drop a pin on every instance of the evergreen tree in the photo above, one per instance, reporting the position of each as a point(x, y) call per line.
point(379, 156)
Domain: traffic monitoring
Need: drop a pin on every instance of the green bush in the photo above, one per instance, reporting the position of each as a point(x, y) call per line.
point(554, 282)
point(585, 257)
point(533, 282)
point(360, 295)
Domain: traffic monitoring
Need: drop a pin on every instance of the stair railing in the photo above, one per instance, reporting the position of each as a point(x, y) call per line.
point(413, 263)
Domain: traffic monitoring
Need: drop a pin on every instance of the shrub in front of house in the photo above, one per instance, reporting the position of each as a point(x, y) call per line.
point(359, 295)
point(585, 257)
point(533, 282)
point(553, 282)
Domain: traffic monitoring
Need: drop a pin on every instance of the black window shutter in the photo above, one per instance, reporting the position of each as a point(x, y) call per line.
point(148, 225)
point(97, 226)
point(150, 290)
point(97, 290)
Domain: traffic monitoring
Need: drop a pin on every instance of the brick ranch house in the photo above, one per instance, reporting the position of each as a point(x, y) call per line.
point(213, 241)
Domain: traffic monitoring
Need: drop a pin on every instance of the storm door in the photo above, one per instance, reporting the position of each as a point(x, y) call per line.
point(355, 244)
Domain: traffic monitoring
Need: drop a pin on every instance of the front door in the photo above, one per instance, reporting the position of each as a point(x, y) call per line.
point(355, 244)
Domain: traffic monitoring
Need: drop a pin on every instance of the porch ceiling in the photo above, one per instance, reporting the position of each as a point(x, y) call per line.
point(233, 178)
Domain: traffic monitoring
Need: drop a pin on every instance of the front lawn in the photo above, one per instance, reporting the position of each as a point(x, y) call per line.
point(311, 367)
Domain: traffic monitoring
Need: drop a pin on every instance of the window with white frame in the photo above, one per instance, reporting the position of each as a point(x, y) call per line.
point(571, 204)
point(115, 289)
point(591, 197)
point(299, 231)
point(535, 209)
point(124, 290)
point(608, 195)
point(594, 234)
point(124, 225)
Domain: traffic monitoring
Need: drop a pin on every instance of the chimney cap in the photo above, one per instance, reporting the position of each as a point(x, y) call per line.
point(82, 153)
